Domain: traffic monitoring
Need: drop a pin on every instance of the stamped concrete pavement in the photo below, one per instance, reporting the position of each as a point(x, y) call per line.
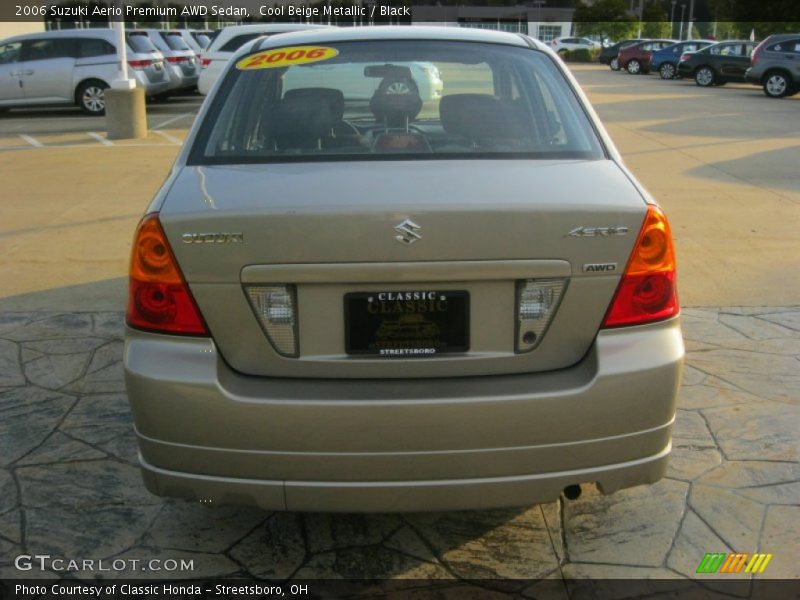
point(70, 486)
point(723, 163)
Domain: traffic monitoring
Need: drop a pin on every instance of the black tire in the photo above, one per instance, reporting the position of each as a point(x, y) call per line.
point(614, 63)
point(705, 77)
point(634, 67)
point(161, 98)
point(668, 71)
point(777, 84)
point(90, 97)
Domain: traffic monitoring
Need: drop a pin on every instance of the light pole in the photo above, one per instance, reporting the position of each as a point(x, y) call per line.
point(672, 18)
point(691, 20)
point(538, 4)
point(641, 14)
point(680, 34)
point(370, 4)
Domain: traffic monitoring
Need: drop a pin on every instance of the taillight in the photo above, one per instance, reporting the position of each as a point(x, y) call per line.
point(756, 52)
point(140, 64)
point(648, 290)
point(176, 59)
point(204, 62)
point(685, 57)
point(158, 298)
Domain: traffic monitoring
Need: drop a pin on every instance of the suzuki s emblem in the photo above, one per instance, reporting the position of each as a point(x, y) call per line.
point(408, 232)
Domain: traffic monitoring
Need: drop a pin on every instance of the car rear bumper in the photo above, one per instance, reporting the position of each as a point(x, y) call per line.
point(207, 432)
point(751, 77)
point(179, 80)
point(685, 70)
point(151, 88)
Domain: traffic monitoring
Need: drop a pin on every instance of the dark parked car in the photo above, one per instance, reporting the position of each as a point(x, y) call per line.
point(717, 64)
point(636, 57)
point(775, 64)
point(665, 61)
point(608, 55)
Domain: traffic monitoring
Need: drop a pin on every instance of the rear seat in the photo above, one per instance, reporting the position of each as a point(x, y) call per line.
point(482, 119)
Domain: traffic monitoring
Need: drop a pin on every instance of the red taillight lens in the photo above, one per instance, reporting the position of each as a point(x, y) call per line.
point(684, 57)
point(756, 52)
point(158, 297)
point(204, 62)
point(648, 289)
point(140, 64)
point(176, 59)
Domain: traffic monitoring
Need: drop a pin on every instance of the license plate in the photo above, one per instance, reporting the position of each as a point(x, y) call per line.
point(406, 324)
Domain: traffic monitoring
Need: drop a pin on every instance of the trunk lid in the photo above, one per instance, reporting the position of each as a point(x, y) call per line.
point(330, 230)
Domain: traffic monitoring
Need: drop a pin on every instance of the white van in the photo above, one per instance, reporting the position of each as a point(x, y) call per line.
point(73, 66)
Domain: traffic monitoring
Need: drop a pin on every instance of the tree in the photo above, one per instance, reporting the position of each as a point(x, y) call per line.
point(604, 18)
point(655, 21)
point(766, 17)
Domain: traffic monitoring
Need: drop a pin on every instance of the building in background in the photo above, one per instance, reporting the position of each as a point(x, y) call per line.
point(9, 28)
point(545, 20)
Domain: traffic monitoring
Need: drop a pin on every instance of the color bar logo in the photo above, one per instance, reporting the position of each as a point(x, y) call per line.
point(738, 562)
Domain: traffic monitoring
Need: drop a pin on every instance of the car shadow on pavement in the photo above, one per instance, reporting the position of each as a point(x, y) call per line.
point(768, 168)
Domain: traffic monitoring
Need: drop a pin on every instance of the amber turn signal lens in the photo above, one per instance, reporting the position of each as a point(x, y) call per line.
point(653, 250)
point(159, 299)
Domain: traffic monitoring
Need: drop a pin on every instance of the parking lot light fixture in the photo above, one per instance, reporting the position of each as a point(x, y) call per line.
point(126, 116)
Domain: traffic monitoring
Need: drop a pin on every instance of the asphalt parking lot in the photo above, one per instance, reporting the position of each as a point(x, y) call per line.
point(722, 161)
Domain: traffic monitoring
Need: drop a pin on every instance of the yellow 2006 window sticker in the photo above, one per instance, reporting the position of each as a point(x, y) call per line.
point(286, 57)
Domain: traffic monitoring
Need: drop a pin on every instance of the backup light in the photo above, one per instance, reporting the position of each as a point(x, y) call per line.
point(537, 301)
point(274, 306)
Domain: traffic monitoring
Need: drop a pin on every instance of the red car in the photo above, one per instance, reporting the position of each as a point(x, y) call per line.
point(636, 58)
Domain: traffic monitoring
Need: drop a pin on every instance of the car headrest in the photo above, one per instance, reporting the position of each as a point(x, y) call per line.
point(480, 117)
point(301, 120)
point(334, 98)
point(397, 99)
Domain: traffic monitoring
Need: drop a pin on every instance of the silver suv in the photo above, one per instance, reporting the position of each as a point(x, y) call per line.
point(73, 67)
point(181, 61)
point(775, 65)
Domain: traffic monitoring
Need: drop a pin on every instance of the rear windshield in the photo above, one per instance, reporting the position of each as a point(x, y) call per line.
point(233, 44)
point(139, 42)
point(202, 39)
point(399, 99)
point(175, 41)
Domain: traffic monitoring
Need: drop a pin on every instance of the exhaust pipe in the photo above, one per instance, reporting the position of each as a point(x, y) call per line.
point(572, 492)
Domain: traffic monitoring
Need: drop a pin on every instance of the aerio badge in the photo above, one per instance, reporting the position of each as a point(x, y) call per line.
point(286, 57)
point(408, 232)
point(598, 231)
